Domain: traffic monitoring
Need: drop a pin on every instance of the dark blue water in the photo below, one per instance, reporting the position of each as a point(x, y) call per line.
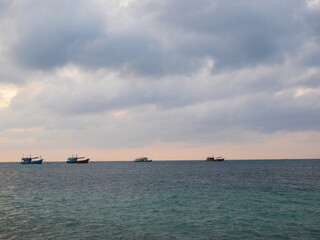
point(161, 200)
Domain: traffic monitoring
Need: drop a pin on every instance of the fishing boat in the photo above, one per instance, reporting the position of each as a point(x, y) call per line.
point(76, 159)
point(142, 159)
point(215, 159)
point(31, 160)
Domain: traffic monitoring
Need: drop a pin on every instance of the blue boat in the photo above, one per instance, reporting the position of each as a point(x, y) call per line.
point(31, 160)
point(76, 159)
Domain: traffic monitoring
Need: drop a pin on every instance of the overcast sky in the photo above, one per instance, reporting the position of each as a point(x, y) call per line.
point(171, 79)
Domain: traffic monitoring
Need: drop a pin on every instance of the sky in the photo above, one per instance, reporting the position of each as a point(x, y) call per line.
point(167, 79)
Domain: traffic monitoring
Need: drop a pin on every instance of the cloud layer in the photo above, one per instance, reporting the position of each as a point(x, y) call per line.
point(136, 73)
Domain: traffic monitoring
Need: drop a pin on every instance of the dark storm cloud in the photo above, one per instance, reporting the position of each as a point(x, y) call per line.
point(235, 35)
point(55, 33)
point(52, 32)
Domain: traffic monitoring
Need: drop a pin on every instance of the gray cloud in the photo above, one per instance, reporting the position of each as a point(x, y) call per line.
point(238, 34)
point(52, 33)
point(180, 71)
point(234, 35)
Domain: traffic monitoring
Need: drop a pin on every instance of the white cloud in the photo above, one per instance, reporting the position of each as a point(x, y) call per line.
point(313, 3)
point(303, 91)
point(7, 92)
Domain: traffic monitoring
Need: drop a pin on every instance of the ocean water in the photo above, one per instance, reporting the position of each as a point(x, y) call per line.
point(275, 199)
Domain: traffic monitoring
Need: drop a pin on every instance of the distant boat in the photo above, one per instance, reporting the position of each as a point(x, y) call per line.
point(213, 159)
point(76, 159)
point(142, 159)
point(31, 160)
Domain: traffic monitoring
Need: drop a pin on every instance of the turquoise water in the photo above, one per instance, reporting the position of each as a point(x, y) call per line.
point(274, 199)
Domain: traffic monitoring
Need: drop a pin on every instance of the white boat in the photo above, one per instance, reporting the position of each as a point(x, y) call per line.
point(142, 159)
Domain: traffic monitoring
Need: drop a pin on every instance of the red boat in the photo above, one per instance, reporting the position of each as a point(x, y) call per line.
point(213, 159)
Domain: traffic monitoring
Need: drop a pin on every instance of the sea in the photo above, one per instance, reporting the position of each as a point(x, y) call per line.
point(245, 199)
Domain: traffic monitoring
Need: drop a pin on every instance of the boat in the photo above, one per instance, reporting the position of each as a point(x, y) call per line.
point(76, 159)
point(215, 159)
point(31, 160)
point(142, 159)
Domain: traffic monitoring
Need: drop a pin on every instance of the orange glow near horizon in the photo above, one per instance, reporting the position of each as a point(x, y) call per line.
point(279, 146)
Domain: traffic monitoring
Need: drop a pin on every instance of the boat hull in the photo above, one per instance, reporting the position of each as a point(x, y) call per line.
point(143, 159)
point(79, 161)
point(215, 159)
point(33, 162)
